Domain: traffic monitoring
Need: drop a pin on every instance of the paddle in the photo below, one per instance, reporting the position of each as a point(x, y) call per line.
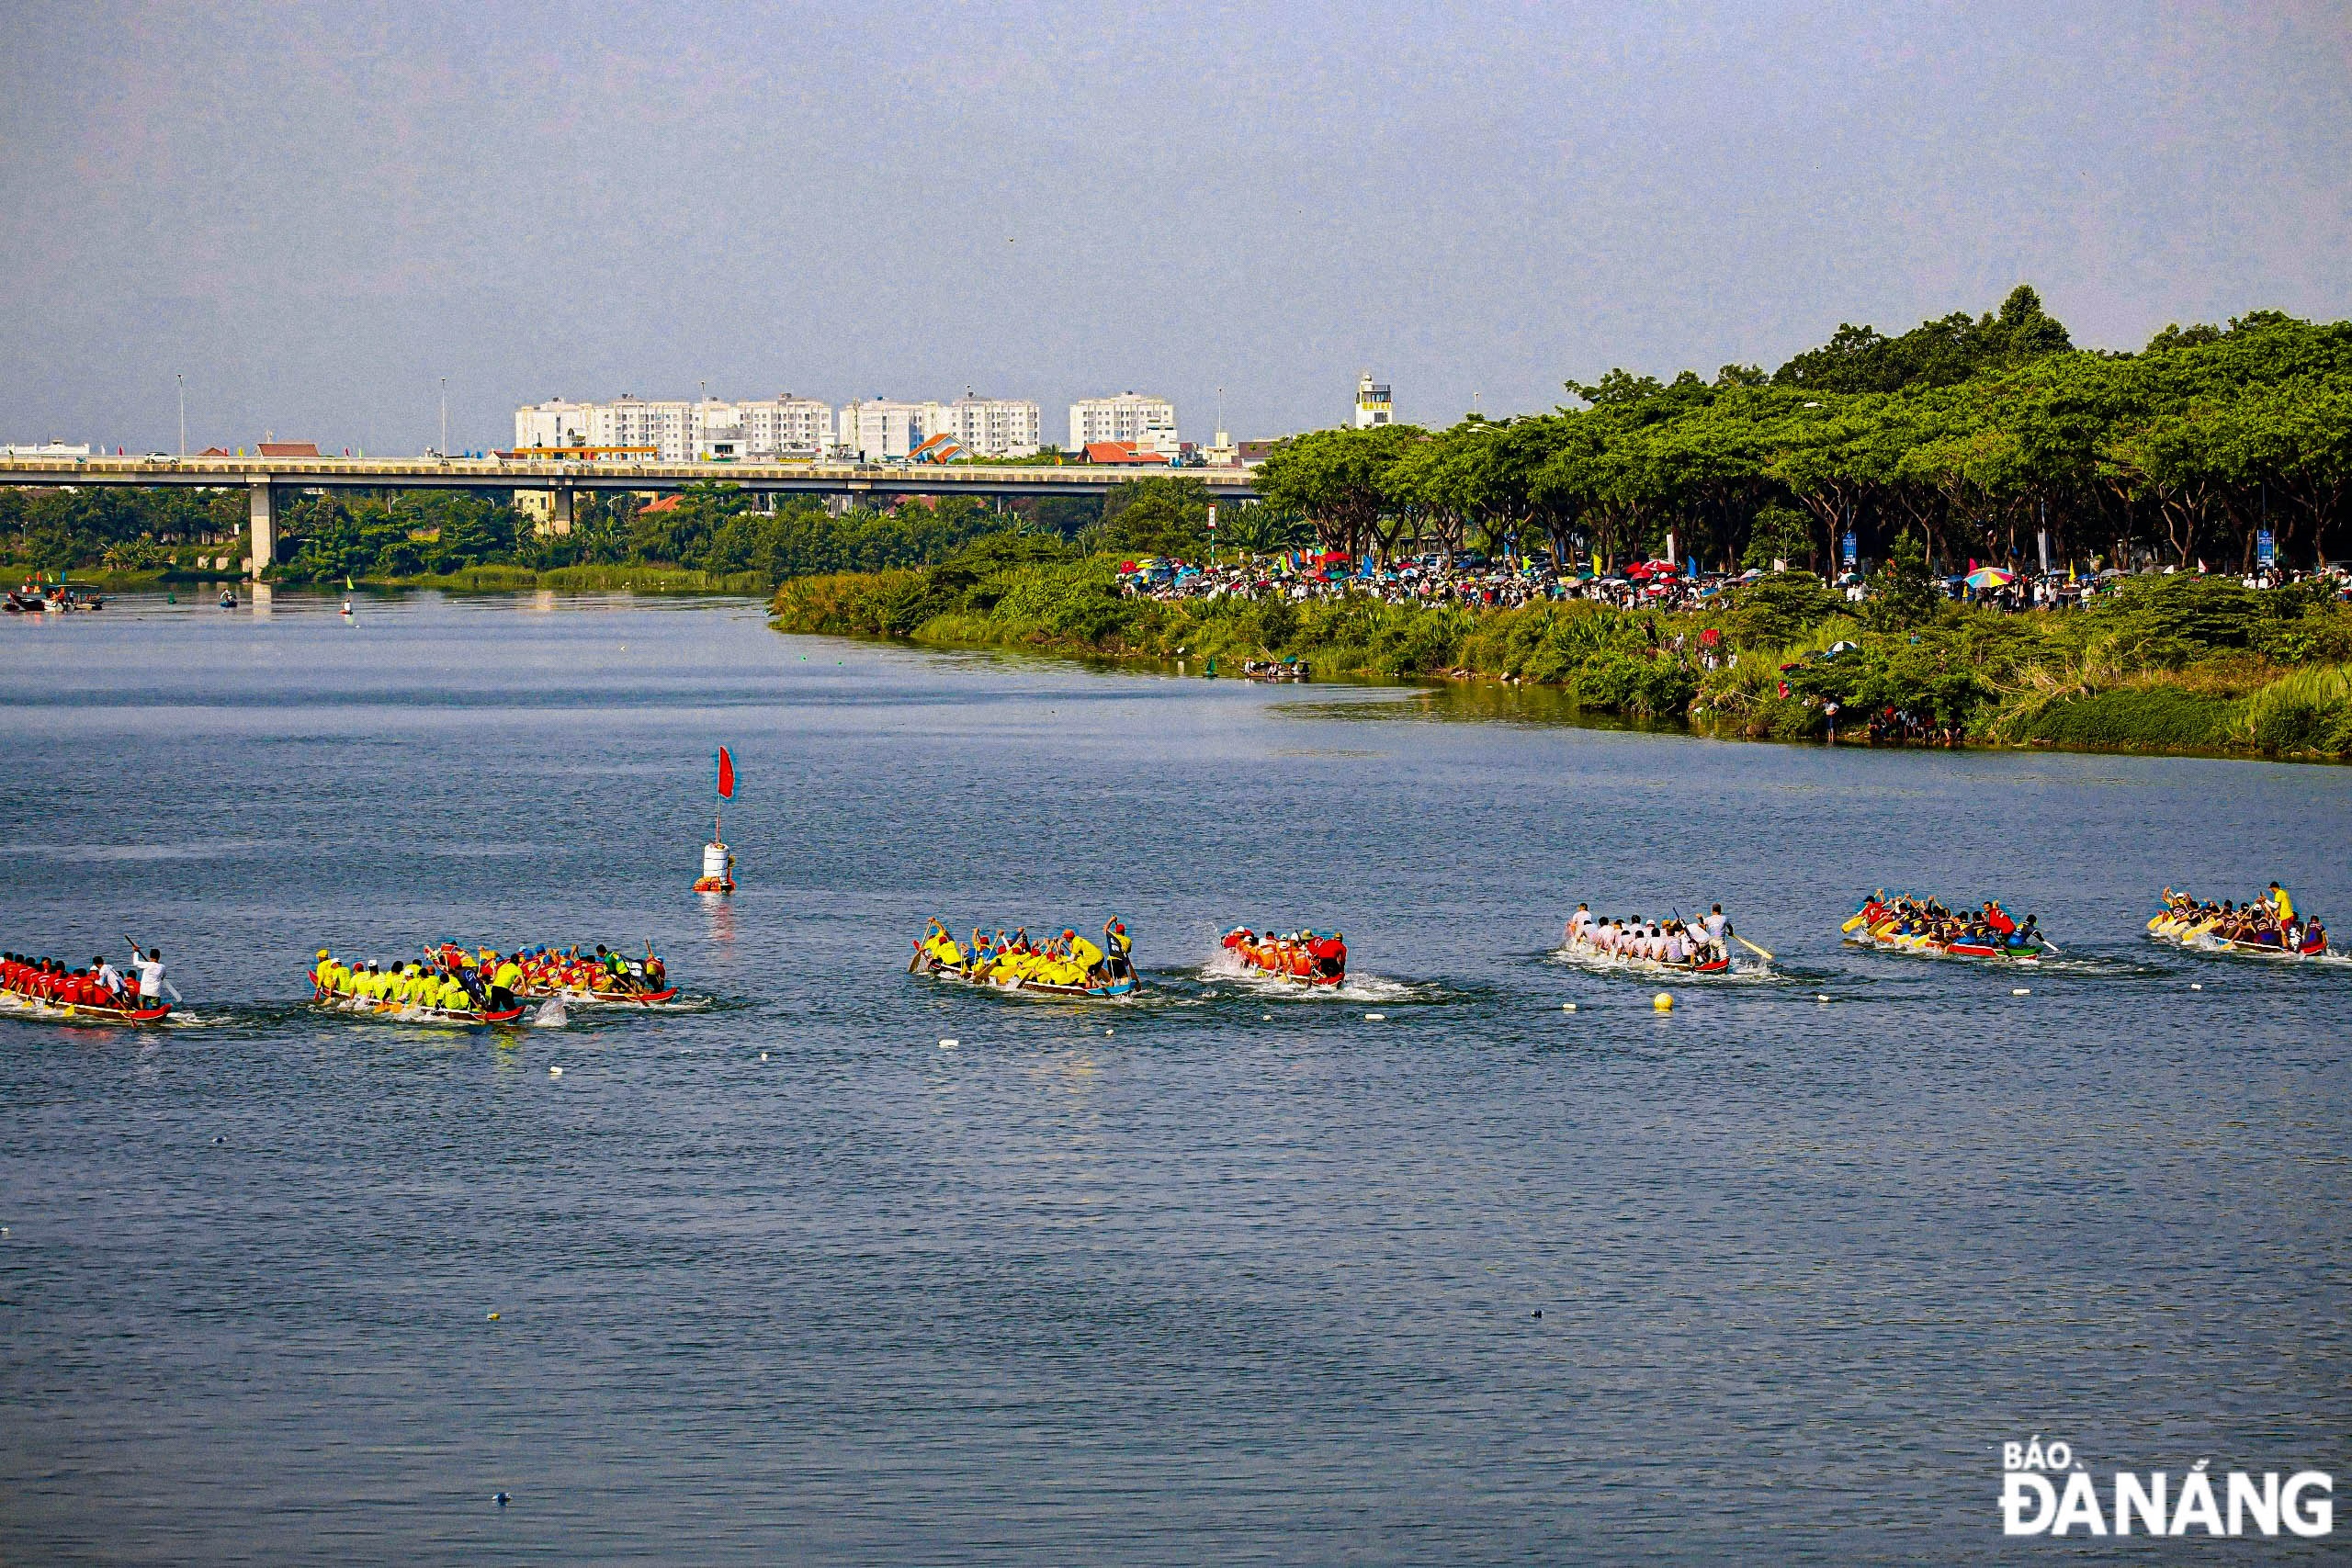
point(1751, 947)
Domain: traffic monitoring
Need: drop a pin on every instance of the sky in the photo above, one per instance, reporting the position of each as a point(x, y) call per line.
point(316, 214)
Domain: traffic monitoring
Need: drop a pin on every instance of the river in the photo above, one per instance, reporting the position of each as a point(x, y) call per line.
point(1431, 1269)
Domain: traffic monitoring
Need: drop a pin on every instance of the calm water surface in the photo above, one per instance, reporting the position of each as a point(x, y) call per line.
point(1207, 1276)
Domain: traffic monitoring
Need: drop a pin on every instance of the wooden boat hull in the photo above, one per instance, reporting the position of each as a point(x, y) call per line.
point(1954, 950)
point(2198, 940)
point(924, 964)
point(48, 1011)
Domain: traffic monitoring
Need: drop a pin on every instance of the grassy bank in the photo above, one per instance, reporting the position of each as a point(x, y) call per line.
point(2170, 664)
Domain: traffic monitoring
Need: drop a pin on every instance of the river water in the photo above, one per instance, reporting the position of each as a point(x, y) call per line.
point(1208, 1275)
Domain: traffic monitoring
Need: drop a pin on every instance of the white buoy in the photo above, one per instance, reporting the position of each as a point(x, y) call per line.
point(1567, 1007)
point(763, 1055)
point(1270, 1017)
point(949, 1043)
point(1375, 1016)
point(1819, 997)
point(2021, 991)
point(1106, 1031)
point(555, 1072)
point(2194, 987)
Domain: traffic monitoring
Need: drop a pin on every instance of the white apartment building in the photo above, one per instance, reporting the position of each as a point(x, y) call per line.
point(682, 431)
point(1149, 422)
point(876, 430)
point(994, 427)
point(785, 426)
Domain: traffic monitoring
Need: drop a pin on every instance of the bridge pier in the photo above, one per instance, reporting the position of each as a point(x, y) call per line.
point(559, 516)
point(261, 510)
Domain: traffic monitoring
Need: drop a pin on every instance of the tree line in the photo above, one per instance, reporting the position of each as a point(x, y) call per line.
point(1975, 434)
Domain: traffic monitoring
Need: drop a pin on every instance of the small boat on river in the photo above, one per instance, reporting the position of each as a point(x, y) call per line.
point(1926, 928)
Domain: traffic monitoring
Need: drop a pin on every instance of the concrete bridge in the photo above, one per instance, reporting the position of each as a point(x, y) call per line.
point(263, 478)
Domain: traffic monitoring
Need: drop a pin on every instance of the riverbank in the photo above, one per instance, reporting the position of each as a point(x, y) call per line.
point(2178, 664)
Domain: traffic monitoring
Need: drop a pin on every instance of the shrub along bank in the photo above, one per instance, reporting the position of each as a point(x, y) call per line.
point(2178, 663)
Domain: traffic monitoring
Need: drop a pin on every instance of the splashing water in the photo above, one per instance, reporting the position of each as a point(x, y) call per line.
point(553, 1014)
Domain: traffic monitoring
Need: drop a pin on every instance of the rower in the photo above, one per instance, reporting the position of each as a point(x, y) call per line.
point(1115, 937)
point(150, 973)
point(1577, 924)
point(1082, 952)
point(109, 977)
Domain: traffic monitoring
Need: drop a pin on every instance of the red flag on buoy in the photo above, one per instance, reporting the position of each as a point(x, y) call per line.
point(726, 775)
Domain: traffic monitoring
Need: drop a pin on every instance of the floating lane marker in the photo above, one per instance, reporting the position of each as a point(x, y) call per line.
point(2021, 991)
point(949, 1043)
point(1662, 1002)
point(1375, 1016)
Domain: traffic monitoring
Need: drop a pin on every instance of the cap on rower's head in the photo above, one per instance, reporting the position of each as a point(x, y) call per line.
point(322, 952)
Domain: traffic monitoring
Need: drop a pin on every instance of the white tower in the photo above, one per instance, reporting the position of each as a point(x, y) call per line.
point(1372, 403)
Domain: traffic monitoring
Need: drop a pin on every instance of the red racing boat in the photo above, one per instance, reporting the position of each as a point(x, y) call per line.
point(1304, 957)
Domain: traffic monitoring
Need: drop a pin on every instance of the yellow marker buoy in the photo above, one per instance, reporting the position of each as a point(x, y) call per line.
point(1662, 1002)
point(493, 1317)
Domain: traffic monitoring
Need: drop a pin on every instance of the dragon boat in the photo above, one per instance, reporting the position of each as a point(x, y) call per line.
point(1067, 967)
point(1299, 958)
point(1706, 961)
point(43, 1008)
point(406, 1012)
point(1879, 925)
point(553, 972)
point(2251, 930)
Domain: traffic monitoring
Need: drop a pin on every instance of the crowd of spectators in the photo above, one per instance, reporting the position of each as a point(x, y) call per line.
point(1472, 581)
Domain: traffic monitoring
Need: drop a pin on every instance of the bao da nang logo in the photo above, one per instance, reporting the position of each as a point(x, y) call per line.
point(2045, 1492)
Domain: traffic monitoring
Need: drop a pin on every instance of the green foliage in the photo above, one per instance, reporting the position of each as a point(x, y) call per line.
point(2308, 712)
point(2152, 718)
point(1903, 594)
point(1933, 353)
point(1156, 516)
point(1777, 533)
point(1777, 610)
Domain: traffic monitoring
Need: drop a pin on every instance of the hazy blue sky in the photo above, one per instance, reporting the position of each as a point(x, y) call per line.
point(318, 211)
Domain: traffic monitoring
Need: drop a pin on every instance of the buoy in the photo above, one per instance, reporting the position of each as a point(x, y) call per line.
point(1662, 1002)
point(2021, 991)
point(1375, 1016)
point(949, 1043)
point(500, 1498)
point(1567, 1007)
point(1819, 997)
point(555, 1072)
point(493, 1317)
point(1106, 1031)
point(763, 1055)
point(2196, 987)
point(1539, 1312)
point(1270, 1017)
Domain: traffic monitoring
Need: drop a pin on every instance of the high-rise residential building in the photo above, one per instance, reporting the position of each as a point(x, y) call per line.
point(1373, 406)
point(993, 427)
point(786, 426)
point(875, 430)
point(1148, 423)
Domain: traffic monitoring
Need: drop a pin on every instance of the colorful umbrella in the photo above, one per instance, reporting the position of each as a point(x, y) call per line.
point(1991, 577)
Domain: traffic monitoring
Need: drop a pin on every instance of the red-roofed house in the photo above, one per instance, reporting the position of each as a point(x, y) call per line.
point(1122, 453)
point(289, 448)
